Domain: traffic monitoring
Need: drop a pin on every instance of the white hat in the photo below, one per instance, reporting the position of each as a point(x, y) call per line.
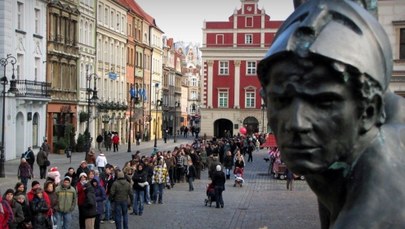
point(218, 168)
point(82, 174)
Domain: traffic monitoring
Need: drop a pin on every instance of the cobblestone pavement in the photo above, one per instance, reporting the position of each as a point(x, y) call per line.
point(262, 202)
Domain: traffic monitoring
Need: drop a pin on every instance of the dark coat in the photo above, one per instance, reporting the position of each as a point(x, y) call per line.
point(18, 214)
point(218, 179)
point(228, 162)
point(39, 211)
point(139, 177)
point(90, 205)
point(190, 171)
point(99, 191)
point(42, 156)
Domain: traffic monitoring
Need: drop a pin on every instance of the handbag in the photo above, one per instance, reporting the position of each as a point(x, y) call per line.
point(47, 162)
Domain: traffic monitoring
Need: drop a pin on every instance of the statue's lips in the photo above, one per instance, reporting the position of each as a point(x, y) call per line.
point(300, 150)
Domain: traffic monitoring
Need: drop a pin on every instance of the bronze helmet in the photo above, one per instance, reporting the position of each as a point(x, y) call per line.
point(338, 30)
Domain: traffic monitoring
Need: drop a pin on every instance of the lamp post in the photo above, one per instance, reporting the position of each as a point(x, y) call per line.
point(13, 89)
point(158, 103)
point(176, 104)
point(90, 98)
point(134, 98)
point(263, 109)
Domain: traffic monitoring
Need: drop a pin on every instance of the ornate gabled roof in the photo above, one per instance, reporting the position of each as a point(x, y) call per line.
point(136, 8)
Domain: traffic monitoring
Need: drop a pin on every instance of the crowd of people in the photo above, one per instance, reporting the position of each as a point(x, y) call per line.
point(107, 193)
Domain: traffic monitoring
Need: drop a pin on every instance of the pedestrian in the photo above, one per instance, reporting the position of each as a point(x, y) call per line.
point(101, 161)
point(148, 167)
point(81, 196)
point(160, 179)
point(6, 214)
point(218, 180)
point(115, 141)
point(53, 176)
point(107, 178)
point(15, 207)
point(89, 206)
point(108, 141)
point(43, 162)
point(91, 159)
point(82, 169)
point(73, 177)
point(99, 191)
point(30, 157)
point(171, 167)
point(165, 135)
point(21, 200)
point(24, 172)
point(120, 194)
point(99, 140)
point(228, 164)
point(45, 146)
point(290, 179)
point(49, 188)
point(190, 175)
point(19, 189)
point(39, 210)
point(66, 195)
point(139, 186)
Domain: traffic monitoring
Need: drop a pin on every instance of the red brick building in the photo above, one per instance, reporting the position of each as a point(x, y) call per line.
point(231, 51)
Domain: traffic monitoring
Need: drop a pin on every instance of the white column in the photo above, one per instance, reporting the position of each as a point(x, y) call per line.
point(237, 84)
point(210, 82)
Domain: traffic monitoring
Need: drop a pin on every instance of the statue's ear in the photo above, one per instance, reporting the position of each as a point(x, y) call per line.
point(371, 114)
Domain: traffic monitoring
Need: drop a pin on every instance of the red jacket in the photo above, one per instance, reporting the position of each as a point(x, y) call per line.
point(116, 139)
point(81, 196)
point(30, 197)
point(6, 214)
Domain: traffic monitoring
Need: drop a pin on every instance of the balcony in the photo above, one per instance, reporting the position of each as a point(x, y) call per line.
point(29, 88)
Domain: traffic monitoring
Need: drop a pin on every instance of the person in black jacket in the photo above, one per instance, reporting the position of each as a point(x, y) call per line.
point(218, 180)
point(228, 164)
point(89, 206)
point(139, 186)
point(190, 175)
point(39, 211)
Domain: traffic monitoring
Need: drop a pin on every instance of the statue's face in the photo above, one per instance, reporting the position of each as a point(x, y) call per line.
point(313, 114)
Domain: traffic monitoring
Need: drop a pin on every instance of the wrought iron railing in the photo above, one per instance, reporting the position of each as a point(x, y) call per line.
point(30, 88)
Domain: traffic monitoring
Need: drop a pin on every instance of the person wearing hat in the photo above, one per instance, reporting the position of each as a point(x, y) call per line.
point(81, 197)
point(32, 193)
point(39, 210)
point(66, 204)
point(325, 83)
point(20, 199)
point(121, 192)
point(218, 181)
point(18, 214)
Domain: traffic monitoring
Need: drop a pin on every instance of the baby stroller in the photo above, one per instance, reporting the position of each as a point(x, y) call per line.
point(238, 177)
point(210, 195)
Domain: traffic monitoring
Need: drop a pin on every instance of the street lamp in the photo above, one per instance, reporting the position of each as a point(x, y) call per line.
point(158, 103)
point(91, 96)
point(13, 89)
point(134, 98)
point(263, 109)
point(176, 104)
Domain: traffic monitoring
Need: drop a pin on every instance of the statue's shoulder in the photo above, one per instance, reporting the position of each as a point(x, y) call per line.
point(394, 106)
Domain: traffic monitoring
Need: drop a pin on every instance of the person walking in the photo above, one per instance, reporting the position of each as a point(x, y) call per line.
point(99, 140)
point(115, 141)
point(139, 185)
point(228, 164)
point(24, 172)
point(160, 178)
point(190, 175)
point(66, 204)
point(45, 146)
point(218, 180)
point(120, 191)
point(30, 157)
point(42, 161)
point(290, 179)
point(101, 162)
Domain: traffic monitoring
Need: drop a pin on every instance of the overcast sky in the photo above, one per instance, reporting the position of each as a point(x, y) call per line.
point(183, 19)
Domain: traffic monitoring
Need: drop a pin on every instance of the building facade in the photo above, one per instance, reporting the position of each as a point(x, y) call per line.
point(231, 51)
point(23, 47)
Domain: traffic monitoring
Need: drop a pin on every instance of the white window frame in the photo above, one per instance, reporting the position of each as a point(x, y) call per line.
point(251, 68)
point(37, 28)
point(248, 39)
point(223, 68)
point(223, 98)
point(37, 68)
point(250, 98)
point(20, 15)
point(247, 20)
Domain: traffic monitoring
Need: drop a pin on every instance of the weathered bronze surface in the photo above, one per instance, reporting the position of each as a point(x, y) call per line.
point(325, 82)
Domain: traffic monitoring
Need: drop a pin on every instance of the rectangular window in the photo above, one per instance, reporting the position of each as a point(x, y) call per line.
point(223, 99)
point(219, 39)
point(249, 22)
point(248, 39)
point(112, 19)
point(250, 99)
point(105, 16)
point(100, 13)
point(20, 66)
point(402, 44)
point(37, 21)
point(37, 68)
point(251, 68)
point(20, 16)
point(223, 68)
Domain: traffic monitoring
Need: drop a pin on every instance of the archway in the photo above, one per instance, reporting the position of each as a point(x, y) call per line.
point(222, 127)
point(251, 124)
point(20, 134)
